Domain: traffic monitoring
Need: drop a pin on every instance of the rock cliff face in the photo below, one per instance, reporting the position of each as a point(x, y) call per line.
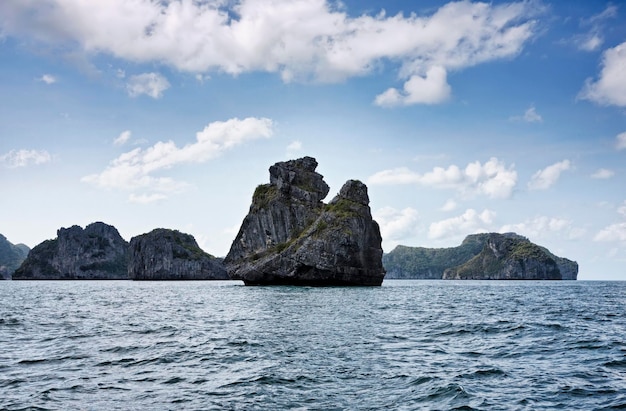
point(291, 237)
point(164, 254)
point(11, 257)
point(96, 253)
point(505, 258)
point(430, 263)
point(483, 257)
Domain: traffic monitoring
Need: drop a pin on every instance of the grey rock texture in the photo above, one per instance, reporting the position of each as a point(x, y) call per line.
point(481, 256)
point(164, 254)
point(505, 258)
point(96, 253)
point(429, 263)
point(291, 237)
point(11, 257)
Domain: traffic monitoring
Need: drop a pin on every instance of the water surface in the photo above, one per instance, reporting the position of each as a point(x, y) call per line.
point(408, 345)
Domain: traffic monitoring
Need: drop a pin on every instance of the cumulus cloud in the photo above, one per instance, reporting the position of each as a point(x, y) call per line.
point(620, 141)
point(433, 88)
point(603, 174)
point(470, 222)
point(134, 170)
point(396, 225)
point(539, 226)
point(122, 138)
point(48, 79)
point(529, 116)
point(610, 87)
point(23, 158)
point(150, 84)
point(302, 40)
point(546, 178)
point(493, 179)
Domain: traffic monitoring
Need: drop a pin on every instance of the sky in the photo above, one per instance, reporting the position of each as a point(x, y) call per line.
point(461, 117)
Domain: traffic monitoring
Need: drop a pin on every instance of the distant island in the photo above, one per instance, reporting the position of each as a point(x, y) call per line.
point(288, 237)
point(98, 252)
point(490, 256)
point(11, 257)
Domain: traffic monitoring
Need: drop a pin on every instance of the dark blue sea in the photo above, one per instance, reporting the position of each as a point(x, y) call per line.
point(408, 345)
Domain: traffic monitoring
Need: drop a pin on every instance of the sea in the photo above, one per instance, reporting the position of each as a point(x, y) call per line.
point(407, 345)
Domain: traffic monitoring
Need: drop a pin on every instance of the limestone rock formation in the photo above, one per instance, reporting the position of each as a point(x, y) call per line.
point(11, 257)
point(429, 263)
point(96, 253)
point(164, 254)
point(291, 237)
point(481, 256)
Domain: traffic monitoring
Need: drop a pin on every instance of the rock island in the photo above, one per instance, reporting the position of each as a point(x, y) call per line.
point(291, 237)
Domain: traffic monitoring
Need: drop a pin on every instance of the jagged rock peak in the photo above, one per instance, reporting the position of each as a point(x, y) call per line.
point(353, 190)
point(298, 179)
point(164, 254)
point(291, 237)
point(96, 253)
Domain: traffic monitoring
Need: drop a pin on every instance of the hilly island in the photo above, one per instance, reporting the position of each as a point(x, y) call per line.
point(289, 237)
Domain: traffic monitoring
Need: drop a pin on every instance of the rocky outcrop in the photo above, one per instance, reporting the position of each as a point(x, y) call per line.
point(429, 263)
point(11, 257)
point(489, 256)
point(164, 254)
point(96, 253)
point(505, 258)
point(291, 237)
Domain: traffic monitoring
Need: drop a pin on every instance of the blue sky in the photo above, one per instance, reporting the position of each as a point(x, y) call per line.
point(461, 117)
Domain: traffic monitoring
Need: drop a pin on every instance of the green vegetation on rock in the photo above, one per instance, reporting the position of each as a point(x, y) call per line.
point(263, 195)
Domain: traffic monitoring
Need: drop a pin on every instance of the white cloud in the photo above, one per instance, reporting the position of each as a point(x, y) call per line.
point(301, 40)
point(590, 42)
point(470, 222)
point(610, 88)
point(450, 205)
point(616, 231)
point(23, 158)
point(146, 198)
point(201, 78)
point(433, 88)
point(48, 79)
point(122, 138)
point(622, 209)
point(529, 116)
point(613, 232)
point(492, 179)
point(593, 39)
point(603, 173)
point(150, 84)
point(396, 225)
point(546, 178)
point(620, 141)
point(539, 226)
point(134, 170)
point(294, 147)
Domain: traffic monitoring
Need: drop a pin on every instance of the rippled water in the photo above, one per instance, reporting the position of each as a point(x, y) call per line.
point(220, 345)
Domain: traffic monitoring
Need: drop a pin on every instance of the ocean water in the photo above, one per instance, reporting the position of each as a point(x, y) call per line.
point(408, 345)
